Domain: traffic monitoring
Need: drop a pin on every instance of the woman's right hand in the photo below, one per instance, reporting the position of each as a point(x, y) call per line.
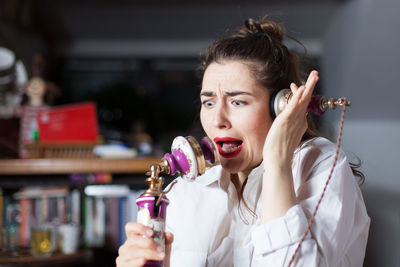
point(140, 247)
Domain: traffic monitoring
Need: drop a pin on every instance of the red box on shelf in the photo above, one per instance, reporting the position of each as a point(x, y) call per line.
point(69, 123)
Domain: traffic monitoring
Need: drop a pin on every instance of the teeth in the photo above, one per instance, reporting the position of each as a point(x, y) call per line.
point(229, 150)
point(229, 146)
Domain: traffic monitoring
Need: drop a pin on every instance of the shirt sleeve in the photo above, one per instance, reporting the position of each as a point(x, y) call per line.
point(339, 233)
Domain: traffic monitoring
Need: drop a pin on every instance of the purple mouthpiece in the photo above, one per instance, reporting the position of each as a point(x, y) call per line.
point(177, 162)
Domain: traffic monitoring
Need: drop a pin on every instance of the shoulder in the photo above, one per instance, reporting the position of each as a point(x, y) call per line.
point(317, 144)
point(204, 186)
point(204, 182)
point(314, 160)
point(317, 150)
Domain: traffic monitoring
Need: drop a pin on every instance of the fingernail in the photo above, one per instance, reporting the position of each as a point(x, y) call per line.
point(149, 233)
point(160, 249)
point(161, 255)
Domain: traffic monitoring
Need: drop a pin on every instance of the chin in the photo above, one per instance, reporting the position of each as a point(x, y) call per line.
point(239, 165)
point(231, 165)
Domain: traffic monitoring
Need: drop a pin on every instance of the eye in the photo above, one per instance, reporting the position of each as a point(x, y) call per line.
point(239, 103)
point(207, 103)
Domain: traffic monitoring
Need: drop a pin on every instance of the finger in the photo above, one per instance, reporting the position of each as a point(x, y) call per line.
point(133, 229)
point(169, 238)
point(311, 78)
point(151, 254)
point(310, 85)
point(145, 243)
point(293, 87)
point(133, 252)
point(296, 97)
point(122, 262)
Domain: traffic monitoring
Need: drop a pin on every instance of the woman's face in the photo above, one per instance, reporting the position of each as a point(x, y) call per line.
point(235, 114)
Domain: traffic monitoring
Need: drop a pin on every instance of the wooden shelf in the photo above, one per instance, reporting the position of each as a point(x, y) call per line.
point(57, 259)
point(65, 166)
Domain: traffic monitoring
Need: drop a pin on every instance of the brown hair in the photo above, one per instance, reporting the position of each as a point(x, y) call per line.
point(259, 45)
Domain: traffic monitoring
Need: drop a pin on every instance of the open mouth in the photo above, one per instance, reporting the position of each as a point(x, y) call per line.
point(228, 147)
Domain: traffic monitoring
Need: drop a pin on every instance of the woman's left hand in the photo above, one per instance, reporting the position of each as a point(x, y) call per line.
point(288, 128)
point(283, 138)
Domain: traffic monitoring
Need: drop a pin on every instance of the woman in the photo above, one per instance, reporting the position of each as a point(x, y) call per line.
point(253, 209)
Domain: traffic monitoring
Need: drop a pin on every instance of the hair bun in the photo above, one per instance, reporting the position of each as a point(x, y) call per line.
point(271, 28)
point(252, 26)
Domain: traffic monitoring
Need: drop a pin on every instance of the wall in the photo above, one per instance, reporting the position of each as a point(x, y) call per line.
point(362, 62)
point(125, 30)
point(23, 44)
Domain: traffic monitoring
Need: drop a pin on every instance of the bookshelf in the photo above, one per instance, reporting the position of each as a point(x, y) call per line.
point(16, 173)
point(65, 166)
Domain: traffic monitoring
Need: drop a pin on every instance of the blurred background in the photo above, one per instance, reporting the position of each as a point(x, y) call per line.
point(137, 60)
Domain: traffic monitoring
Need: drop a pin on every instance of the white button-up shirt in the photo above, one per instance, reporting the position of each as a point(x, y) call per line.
point(211, 229)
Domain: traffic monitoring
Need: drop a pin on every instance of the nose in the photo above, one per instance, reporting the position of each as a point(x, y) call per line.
point(221, 118)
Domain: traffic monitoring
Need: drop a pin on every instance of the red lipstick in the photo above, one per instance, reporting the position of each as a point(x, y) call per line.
point(228, 147)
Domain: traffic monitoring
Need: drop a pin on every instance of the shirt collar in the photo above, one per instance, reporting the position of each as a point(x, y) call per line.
point(218, 174)
point(211, 175)
point(257, 171)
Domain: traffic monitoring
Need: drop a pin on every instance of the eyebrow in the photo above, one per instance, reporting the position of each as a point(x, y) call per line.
point(231, 93)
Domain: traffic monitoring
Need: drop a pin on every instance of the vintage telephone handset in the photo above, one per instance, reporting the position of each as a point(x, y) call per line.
point(190, 159)
point(318, 104)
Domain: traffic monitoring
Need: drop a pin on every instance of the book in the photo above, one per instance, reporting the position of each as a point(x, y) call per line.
point(111, 190)
point(133, 209)
point(25, 221)
point(112, 221)
point(88, 221)
point(107, 209)
point(1, 209)
point(1, 218)
point(61, 210)
point(100, 222)
point(75, 207)
point(41, 191)
point(122, 215)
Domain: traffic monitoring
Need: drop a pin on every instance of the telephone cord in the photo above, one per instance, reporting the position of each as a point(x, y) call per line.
point(311, 221)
